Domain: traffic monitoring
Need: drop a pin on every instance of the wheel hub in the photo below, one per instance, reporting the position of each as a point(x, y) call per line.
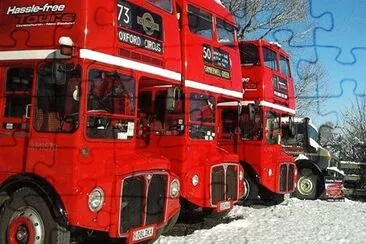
point(26, 227)
point(22, 234)
point(305, 186)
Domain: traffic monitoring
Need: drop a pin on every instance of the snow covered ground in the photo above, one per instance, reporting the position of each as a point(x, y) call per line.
point(295, 221)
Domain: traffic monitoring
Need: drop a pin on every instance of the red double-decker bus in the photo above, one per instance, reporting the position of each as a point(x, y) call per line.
point(268, 91)
point(185, 131)
point(70, 161)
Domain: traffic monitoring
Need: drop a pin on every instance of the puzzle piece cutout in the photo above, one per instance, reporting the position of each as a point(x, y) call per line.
point(330, 44)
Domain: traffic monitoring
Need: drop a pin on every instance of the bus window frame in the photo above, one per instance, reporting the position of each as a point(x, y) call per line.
point(197, 13)
point(128, 118)
point(258, 55)
point(35, 98)
point(275, 60)
point(282, 59)
point(225, 24)
point(159, 7)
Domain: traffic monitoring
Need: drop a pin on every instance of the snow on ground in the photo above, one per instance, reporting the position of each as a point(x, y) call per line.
point(295, 221)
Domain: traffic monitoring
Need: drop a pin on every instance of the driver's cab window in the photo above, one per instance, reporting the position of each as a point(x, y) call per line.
point(18, 92)
point(58, 97)
point(273, 129)
point(251, 123)
point(169, 112)
point(111, 92)
point(202, 116)
point(229, 121)
point(111, 105)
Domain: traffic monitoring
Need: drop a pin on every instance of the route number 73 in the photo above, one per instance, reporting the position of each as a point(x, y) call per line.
point(124, 15)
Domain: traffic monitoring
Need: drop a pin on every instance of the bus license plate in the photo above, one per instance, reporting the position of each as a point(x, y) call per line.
point(142, 234)
point(223, 206)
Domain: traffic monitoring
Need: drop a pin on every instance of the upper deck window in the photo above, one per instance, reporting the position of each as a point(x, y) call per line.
point(270, 58)
point(249, 54)
point(200, 22)
point(225, 32)
point(285, 66)
point(163, 4)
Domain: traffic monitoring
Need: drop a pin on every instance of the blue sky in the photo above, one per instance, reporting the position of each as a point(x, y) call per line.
point(338, 43)
point(340, 46)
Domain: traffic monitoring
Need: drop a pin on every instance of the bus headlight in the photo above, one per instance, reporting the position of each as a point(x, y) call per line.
point(195, 180)
point(174, 188)
point(96, 199)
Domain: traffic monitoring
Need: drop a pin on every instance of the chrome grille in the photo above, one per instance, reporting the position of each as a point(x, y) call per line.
point(224, 183)
point(143, 201)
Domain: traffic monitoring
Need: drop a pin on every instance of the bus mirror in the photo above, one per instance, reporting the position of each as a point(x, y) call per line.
point(76, 94)
point(59, 73)
point(292, 126)
point(240, 108)
point(251, 111)
point(170, 99)
point(172, 95)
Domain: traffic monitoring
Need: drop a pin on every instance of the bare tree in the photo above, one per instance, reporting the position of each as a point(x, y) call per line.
point(311, 87)
point(261, 17)
point(354, 131)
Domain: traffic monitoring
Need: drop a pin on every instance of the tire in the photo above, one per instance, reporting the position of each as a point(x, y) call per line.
point(251, 194)
point(307, 185)
point(26, 216)
point(270, 198)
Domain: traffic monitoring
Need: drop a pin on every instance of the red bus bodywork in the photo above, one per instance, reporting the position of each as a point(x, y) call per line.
point(268, 90)
point(71, 154)
point(210, 175)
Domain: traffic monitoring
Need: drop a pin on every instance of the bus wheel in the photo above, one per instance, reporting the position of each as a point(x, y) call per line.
point(270, 198)
point(26, 219)
point(307, 185)
point(251, 193)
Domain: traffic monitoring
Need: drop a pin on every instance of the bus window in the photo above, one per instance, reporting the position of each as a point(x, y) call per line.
point(270, 58)
point(110, 100)
point(249, 54)
point(58, 90)
point(200, 22)
point(202, 116)
point(111, 92)
point(18, 91)
point(163, 4)
point(229, 119)
point(225, 32)
point(285, 66)
point(272, 128)
point(250, 128)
